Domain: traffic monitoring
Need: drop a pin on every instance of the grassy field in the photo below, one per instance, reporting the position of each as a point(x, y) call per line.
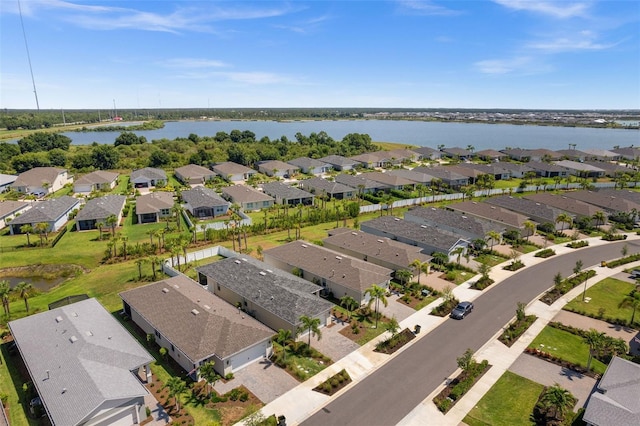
point(606, 296)
point(566, 346)
point(509, 402)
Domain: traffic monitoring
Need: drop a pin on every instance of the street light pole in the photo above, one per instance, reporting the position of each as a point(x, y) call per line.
point(585, 288)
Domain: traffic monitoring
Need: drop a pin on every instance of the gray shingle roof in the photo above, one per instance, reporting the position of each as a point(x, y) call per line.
point(281, 293)
point(83, 349)
point(46, 211)
point(490, 212)
point(281, 190)
point(603, 200)
point(576, 165)
point(307, 163)
point(529, 208)
point(441, 172)
point(338, 160)
point(569, 205)
point(393, 180)
point(102, 207)
point(8, 207)
point(417, 177)
point(344, 270)
point(617, 399)
point(546, 167)
point(231, 168)
point(193, 171)
point(218, 328)
point(202, 197)
point(355, 181)
point(319, 185)
point(149, 173)
point(154, 202)
point(38, 175)
point(472, 227)
point(423, 234)
point(99, 176)
point(245, 194)
point(374, 247)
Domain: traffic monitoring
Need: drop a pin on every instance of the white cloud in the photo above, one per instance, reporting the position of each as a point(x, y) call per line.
point(556, 9)
point(523, 65)
point(193, 63)
point(308, 26)
point(584, 40)
point(425, 7)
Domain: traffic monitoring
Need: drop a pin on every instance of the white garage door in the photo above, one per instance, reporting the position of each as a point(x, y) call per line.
point(123, 418)
point(252, 354)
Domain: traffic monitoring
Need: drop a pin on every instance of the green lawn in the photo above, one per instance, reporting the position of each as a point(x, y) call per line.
point(509, 402)
point(566, 346)
point(606, 295)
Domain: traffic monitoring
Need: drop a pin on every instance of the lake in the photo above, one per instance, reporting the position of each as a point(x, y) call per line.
point(37, 282)
point(421, 133)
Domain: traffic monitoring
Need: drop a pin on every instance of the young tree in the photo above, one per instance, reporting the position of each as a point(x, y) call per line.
point(376, 293)
point(458, 252)
point(564, 219)
point(312, 325)
point(100, 225)
point(112, 222)
point(42, 229)
point(392, 326)
point(494, 237)
point(24, 289)
point(600, 218)
point(557, 279)
point(594, 339)
point(632, 300)
point(5, 290)
point(349, 303)
point(466, 361)
point(208, 373)
point(176, 388)
point(530, 228)
point(404, 275)
point(417, 266)
point(27, 230)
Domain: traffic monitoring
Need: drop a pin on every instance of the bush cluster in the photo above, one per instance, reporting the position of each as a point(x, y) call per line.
point(460, 386)
point(545, 253)
point(623, 260)
point(578, 244)
point(445, 307)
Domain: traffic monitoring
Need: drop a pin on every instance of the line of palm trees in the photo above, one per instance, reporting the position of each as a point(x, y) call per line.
point(23, 289)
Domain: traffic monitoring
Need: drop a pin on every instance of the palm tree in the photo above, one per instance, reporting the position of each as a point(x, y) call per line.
point(177, 211)
point(530, 227)
point(632, 300)
point(377, 293)
point(24, 288)
point(312, 325)
point(100, 225)
point(112, 222)
point(5, 290)
point(208, 373)
point(556, 401)
point(403, 275)
point(458, 252)
point(139, 263)
point(349, 303)
point(594, 339)
point(176, 388)
point(27, 229)
point(392, 326)
point(42, 229)
point(154, 260)
point(417, 266)
point(599, 217)
point(564, 218)
point(494, 237)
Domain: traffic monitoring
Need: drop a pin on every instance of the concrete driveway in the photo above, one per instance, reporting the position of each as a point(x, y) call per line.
point(548, 374)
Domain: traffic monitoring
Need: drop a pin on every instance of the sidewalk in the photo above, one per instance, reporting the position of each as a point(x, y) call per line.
point(301, 402)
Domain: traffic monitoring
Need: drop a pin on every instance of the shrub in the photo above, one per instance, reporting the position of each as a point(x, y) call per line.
point(244, 396)
point(578, 244)
point(545, 253)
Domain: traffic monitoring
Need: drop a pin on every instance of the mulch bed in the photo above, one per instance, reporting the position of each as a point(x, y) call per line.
point(444, 394)
point(404, 337)
point(335, 387)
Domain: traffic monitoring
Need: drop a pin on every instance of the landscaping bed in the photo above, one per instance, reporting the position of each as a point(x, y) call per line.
point(445, 308)
point(545, 253)
point(460, 385)
point(395, 342)
point(567, 285)
point(516, 329)
point(578, 244)
point(334, 383)
point(482, 283)
point(514, 266)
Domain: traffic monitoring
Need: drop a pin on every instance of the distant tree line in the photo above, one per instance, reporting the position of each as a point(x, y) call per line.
point(130, 151)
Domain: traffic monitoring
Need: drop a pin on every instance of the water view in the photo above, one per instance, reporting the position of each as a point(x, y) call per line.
point(39, 283)
point(481, 136)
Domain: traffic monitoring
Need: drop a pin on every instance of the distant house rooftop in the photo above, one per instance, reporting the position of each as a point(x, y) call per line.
point(102, 207)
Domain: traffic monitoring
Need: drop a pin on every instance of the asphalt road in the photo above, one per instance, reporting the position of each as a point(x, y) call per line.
point(386, 396)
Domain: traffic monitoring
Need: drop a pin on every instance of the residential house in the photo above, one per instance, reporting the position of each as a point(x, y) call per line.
point(548, 170)
point(233, 172)
point(148, 177)
point(196, 327)
point(99, 180)
point(606, 155)
point(508, 219)
point(154, 206)
point(621, 193)
point(339, 275)
point(247, 197)
point(193, 174)
point(445, 175)
point(84, 365)
point(275, 298)
point(580, 169)
point(536, 212)
point(543, 155)
point(286, 194)
point(393, 181)
point(9, 210)
point(277, 168)
point(573, 155)
point(97, 210)
point(416, 177)
point(54, 212)
point(615, 400)
point(427, 153)
point(491, 155)
point(331, 189)
point(468, 227)
point(373, 249)
point(340, 163)
point(518, 171)
point(204, 202)
point(630, 153)
point(571, 206)
point(611, 169)
point(6, 181)
point(400, 156)
point(471, 174)
point(372, 160)
point(310, 165)
point(494, 169)
point(457, 153)
point(428, 238)
point(609, 203)
point(362, 184)
point(41, 181)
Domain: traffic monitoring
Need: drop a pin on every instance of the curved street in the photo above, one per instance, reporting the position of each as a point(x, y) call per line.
point(388, 394)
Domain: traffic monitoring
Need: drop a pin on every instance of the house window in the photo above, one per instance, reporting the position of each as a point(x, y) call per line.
point(172, 348)
point(157, 334)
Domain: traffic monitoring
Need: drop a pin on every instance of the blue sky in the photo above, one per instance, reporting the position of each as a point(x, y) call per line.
point(582, 54)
